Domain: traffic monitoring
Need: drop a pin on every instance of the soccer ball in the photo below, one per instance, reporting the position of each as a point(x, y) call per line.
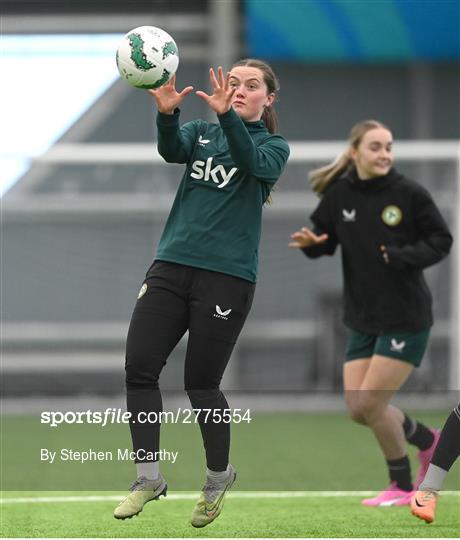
point(147, 57)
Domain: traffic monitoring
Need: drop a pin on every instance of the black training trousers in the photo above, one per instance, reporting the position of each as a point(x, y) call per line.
point(448, 449)
point(213, 307)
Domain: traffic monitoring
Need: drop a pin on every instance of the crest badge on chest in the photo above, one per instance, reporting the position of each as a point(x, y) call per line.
point(391, 215)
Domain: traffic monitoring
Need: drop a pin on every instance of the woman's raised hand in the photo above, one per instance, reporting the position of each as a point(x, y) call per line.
point(306, 238)
point(221, 99)
point(167, 97)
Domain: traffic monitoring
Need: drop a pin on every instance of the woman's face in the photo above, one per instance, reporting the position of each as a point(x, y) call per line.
point(374, 155)
point(251, 95)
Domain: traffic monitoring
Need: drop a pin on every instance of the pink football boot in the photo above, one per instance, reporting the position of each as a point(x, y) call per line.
point(424, 457)
point(391, 496)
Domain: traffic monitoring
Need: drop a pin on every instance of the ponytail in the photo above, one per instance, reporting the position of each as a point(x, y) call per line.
point(322, 177)
point(269, 114)
point(270, 119)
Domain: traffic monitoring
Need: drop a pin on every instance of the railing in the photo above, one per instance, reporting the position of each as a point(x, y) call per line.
point(55, 209)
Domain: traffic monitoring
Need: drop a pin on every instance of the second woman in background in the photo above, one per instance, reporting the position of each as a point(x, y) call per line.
point(390, 230)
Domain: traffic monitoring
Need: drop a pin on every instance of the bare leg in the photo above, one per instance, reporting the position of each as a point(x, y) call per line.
point(383, 378)
point(354, 373)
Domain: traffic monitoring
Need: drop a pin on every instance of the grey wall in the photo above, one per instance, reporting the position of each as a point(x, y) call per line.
point(88, 268)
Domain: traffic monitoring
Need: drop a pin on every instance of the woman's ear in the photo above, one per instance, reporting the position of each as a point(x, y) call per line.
point(270, 99)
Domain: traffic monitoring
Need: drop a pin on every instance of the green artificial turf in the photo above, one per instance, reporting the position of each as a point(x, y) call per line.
point(276, 452)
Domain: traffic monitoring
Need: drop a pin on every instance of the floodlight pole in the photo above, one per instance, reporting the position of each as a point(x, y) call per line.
point(223, 36)
point(454, 363)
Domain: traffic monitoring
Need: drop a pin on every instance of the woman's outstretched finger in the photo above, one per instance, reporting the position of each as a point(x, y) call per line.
point(203, 95)
point(186, 91)
point(220, 73)
point(321, 238)
point(212, 76)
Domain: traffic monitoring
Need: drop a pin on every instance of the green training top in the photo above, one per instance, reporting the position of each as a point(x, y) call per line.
point(215, 221)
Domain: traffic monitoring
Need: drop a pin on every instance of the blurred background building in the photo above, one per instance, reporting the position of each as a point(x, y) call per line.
point(85, 194)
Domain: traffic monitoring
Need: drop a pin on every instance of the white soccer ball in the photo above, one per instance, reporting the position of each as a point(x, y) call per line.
point(147, 57)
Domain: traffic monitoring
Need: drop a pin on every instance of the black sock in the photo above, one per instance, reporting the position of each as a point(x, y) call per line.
point(448, 448)
point(399, 470)
point(417, 434)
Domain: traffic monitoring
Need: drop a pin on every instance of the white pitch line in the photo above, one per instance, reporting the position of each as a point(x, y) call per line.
point(187, 496)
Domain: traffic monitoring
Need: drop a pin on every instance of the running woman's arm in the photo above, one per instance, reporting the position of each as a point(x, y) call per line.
point(434, 241)
point(313, 243)
point(321, 247)
point(321, 240)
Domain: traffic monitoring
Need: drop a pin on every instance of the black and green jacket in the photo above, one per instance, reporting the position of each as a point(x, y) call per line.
point(363, 215)
point(215, 221)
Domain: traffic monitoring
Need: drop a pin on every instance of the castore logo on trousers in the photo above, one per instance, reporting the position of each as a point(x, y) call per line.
point(219, 314)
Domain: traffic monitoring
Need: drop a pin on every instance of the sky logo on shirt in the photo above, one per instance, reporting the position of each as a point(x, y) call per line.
point(204, 170)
